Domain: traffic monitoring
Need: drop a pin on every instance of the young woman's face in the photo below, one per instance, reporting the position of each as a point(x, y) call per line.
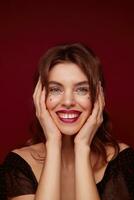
point(68, 100)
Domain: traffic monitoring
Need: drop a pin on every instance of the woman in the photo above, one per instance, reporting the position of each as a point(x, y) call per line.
point(76, 157)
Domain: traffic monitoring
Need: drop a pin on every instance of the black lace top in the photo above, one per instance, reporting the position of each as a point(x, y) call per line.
point(117, 182)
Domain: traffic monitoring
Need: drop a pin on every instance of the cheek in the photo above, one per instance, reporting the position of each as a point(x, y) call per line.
point(51, 102)
point(85, 102)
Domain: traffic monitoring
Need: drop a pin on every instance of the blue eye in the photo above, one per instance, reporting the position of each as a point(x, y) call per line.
point(82, 90)
point(54, 90)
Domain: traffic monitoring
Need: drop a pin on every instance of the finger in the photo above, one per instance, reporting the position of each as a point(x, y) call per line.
point(98, 105)
point(95, 110)
point(36, 88)
point(101, 101)
point(42, 100)
point(102, 98)
point(37, 96)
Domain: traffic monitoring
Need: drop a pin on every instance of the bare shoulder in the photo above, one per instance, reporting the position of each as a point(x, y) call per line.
point(111, 151)
point(30, 152)
point(34, 155)
point(123, 146)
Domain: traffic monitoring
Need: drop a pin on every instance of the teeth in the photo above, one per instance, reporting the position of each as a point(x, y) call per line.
point(70, 116)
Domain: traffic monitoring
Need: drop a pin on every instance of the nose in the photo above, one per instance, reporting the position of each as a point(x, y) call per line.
point(68, 99)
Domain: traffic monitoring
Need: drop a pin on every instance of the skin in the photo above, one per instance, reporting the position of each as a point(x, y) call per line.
point(67, 172)
point(85, 129)
point(68, 96)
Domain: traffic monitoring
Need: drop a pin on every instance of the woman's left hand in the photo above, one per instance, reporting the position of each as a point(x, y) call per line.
point(87, 132)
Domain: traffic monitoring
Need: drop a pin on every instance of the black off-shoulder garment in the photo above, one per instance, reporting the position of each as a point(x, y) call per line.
point(117, 182)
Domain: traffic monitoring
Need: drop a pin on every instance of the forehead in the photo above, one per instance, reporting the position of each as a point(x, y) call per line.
point(67, 72)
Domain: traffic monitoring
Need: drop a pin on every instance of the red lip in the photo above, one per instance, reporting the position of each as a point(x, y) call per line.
point(69, 120)
point(69, 111)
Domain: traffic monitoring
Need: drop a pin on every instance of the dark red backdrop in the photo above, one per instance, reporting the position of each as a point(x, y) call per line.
point(28, 29)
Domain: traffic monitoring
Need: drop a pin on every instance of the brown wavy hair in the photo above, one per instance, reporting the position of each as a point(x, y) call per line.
point(91, 66)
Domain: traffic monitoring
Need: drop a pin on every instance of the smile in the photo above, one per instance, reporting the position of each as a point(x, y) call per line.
point(69, 116)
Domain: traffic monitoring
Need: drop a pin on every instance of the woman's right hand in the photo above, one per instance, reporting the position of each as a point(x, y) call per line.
point(51, 131)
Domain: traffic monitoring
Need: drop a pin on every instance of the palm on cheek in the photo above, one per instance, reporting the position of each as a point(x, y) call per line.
point(50, 129)
point(93, 122)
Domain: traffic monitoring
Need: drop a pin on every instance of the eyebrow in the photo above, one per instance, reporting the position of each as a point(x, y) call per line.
point(77, 84)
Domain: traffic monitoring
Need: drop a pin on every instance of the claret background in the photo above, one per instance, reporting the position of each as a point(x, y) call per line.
point(28, 28)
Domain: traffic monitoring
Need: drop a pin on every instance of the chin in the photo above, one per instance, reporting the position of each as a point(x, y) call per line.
point(70, 128)
point(69, 131)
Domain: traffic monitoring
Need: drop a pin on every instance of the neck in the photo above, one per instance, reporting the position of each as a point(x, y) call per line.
point(67, 152)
